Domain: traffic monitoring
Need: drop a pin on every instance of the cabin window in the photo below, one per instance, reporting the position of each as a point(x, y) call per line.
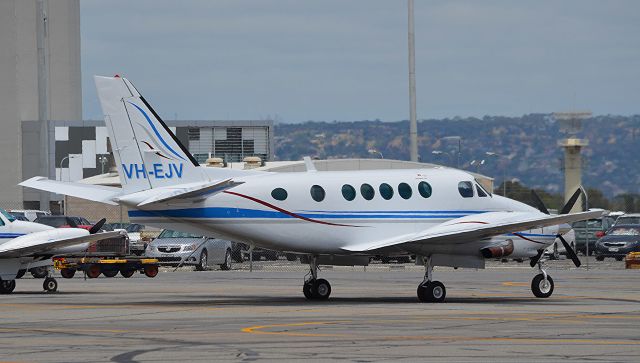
point(317, 193)
point(424, 189)
point(279, 194)
point(465, 188)
point(480, 191)
point(404, 190)
point(367, 191)
point(348, 192)
point(386, 191)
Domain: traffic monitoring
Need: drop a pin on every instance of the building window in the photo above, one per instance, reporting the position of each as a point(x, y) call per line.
point(386, 191)
point(279, 194)
point(424, 189)
point(465, 188)
point(404, 190)
point(348, 192)
point(317, 193)
point(367, 191)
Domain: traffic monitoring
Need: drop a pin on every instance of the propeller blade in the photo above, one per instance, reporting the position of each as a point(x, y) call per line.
point(538, 202)
point(72, 223)
point(98, 226)
point(567, 207)
point(570, 252)
point(534, 260)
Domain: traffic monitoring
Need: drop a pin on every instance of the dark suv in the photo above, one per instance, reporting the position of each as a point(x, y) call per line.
point(590, 230)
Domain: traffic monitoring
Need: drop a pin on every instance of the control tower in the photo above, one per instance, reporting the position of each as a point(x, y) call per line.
point(570, 125)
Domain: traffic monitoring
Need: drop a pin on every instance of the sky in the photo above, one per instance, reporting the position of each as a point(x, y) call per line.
point(295, 61)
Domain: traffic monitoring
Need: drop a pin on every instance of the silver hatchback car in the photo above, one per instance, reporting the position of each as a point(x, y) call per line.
point(173, 248)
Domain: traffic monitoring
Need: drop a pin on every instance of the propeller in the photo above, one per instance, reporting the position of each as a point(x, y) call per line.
point(98, 226)
point(565, 210)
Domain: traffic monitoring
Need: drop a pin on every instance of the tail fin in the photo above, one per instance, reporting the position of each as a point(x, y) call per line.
point(148, 155)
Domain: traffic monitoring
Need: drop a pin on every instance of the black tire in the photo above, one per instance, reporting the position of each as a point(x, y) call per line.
point(619, 258)
point(291, 257)
point(321, 289)
point(93, 271)
point(307, 290)
point(432, 291)
point(110, 273)
point(272, 256)
point(202, 262)
point(127, 273)
point(151, 270)
point(599, 258)
point(226, 266)
point(7, 286)
point(68, 273)
point(50, 285)
point(539, 289)
point(238, 256)
point(39, 272)
point(421, 292)
point(21, 273)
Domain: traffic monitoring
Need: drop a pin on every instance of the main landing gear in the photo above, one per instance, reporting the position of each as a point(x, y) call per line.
point(542, 284)
point(428, 290)
point(315, 288)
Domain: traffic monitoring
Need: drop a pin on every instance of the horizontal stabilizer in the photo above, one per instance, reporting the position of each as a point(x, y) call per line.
point(42, 242)
point(189, 191)
point(96, 193)
point(477, 227)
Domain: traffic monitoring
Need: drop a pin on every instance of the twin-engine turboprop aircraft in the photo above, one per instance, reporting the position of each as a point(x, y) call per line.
point(25, 245)
point(442, 215)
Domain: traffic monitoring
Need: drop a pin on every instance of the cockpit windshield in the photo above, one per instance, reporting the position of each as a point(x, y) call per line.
point(7, 215)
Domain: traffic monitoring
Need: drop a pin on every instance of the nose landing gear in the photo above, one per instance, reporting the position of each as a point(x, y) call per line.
point(428, 290)
point(542, 284)
point(313, 287)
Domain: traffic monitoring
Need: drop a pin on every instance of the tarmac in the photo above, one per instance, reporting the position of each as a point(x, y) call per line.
point(373, 315)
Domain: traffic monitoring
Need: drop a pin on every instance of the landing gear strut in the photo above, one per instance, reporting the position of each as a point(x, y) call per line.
point(542, 284)
point(315, 288)
point(428, 290)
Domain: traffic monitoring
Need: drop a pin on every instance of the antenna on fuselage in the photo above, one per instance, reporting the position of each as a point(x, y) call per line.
point(308, 163)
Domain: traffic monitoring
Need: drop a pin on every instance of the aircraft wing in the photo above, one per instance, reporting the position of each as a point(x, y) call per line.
point(96, 193)
point(477, 227)
point(45, 241)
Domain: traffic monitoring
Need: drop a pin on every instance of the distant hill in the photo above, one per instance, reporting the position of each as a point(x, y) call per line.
point(529, 144)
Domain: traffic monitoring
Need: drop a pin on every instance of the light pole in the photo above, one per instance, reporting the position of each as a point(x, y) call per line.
point(374, 151)
point(459, 138)
point(478, 164)
point(586, 223)
point(103, 160)
point(63, 202)
point(504, 172)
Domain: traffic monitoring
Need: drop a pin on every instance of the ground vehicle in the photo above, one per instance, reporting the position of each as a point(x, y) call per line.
point(628, 219)
point(239, 251)
point(556, 249)
point(619, 240)
point(29, 214)
point(109, 266)
point(137, 245)
point(591, 230)
point(173, 248)
point(59, 221)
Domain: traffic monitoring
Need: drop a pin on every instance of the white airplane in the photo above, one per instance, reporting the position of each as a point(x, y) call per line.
point(25, 245)
point(442, 215)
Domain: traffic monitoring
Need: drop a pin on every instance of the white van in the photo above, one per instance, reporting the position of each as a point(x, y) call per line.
point(29, 214)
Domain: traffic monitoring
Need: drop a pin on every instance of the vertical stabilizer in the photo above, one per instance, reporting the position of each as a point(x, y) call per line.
point(147, 153)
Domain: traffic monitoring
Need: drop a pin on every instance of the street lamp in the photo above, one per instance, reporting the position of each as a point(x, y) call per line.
point(504, 171)
point(459, 138)
point(103, 160)
point(374, 151)
point(68, 157)
point(440, 152)
point(478, 164)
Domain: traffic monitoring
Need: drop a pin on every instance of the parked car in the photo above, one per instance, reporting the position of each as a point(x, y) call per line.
point(239, 252)
point(591, 230)
point(60, 221)
point(173, 248)
point(269, 255)
point(618, 242)
point(628, 219)
point(28, 214)
point(557, 249)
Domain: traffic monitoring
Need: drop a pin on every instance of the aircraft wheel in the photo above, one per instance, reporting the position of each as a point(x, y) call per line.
point(540, 287)
point(321, 289)
point(7, 286)
point(151, 270)
point(307, 290)
point(432, 291)
point(67, 273)
point(110, 273)
point(50, 284)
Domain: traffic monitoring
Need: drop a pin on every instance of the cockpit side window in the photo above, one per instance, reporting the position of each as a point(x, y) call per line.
point(465, 188)
point(480, 191)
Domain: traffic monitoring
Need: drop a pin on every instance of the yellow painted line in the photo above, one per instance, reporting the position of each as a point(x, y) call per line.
point(515, 284)
point(260, 329)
